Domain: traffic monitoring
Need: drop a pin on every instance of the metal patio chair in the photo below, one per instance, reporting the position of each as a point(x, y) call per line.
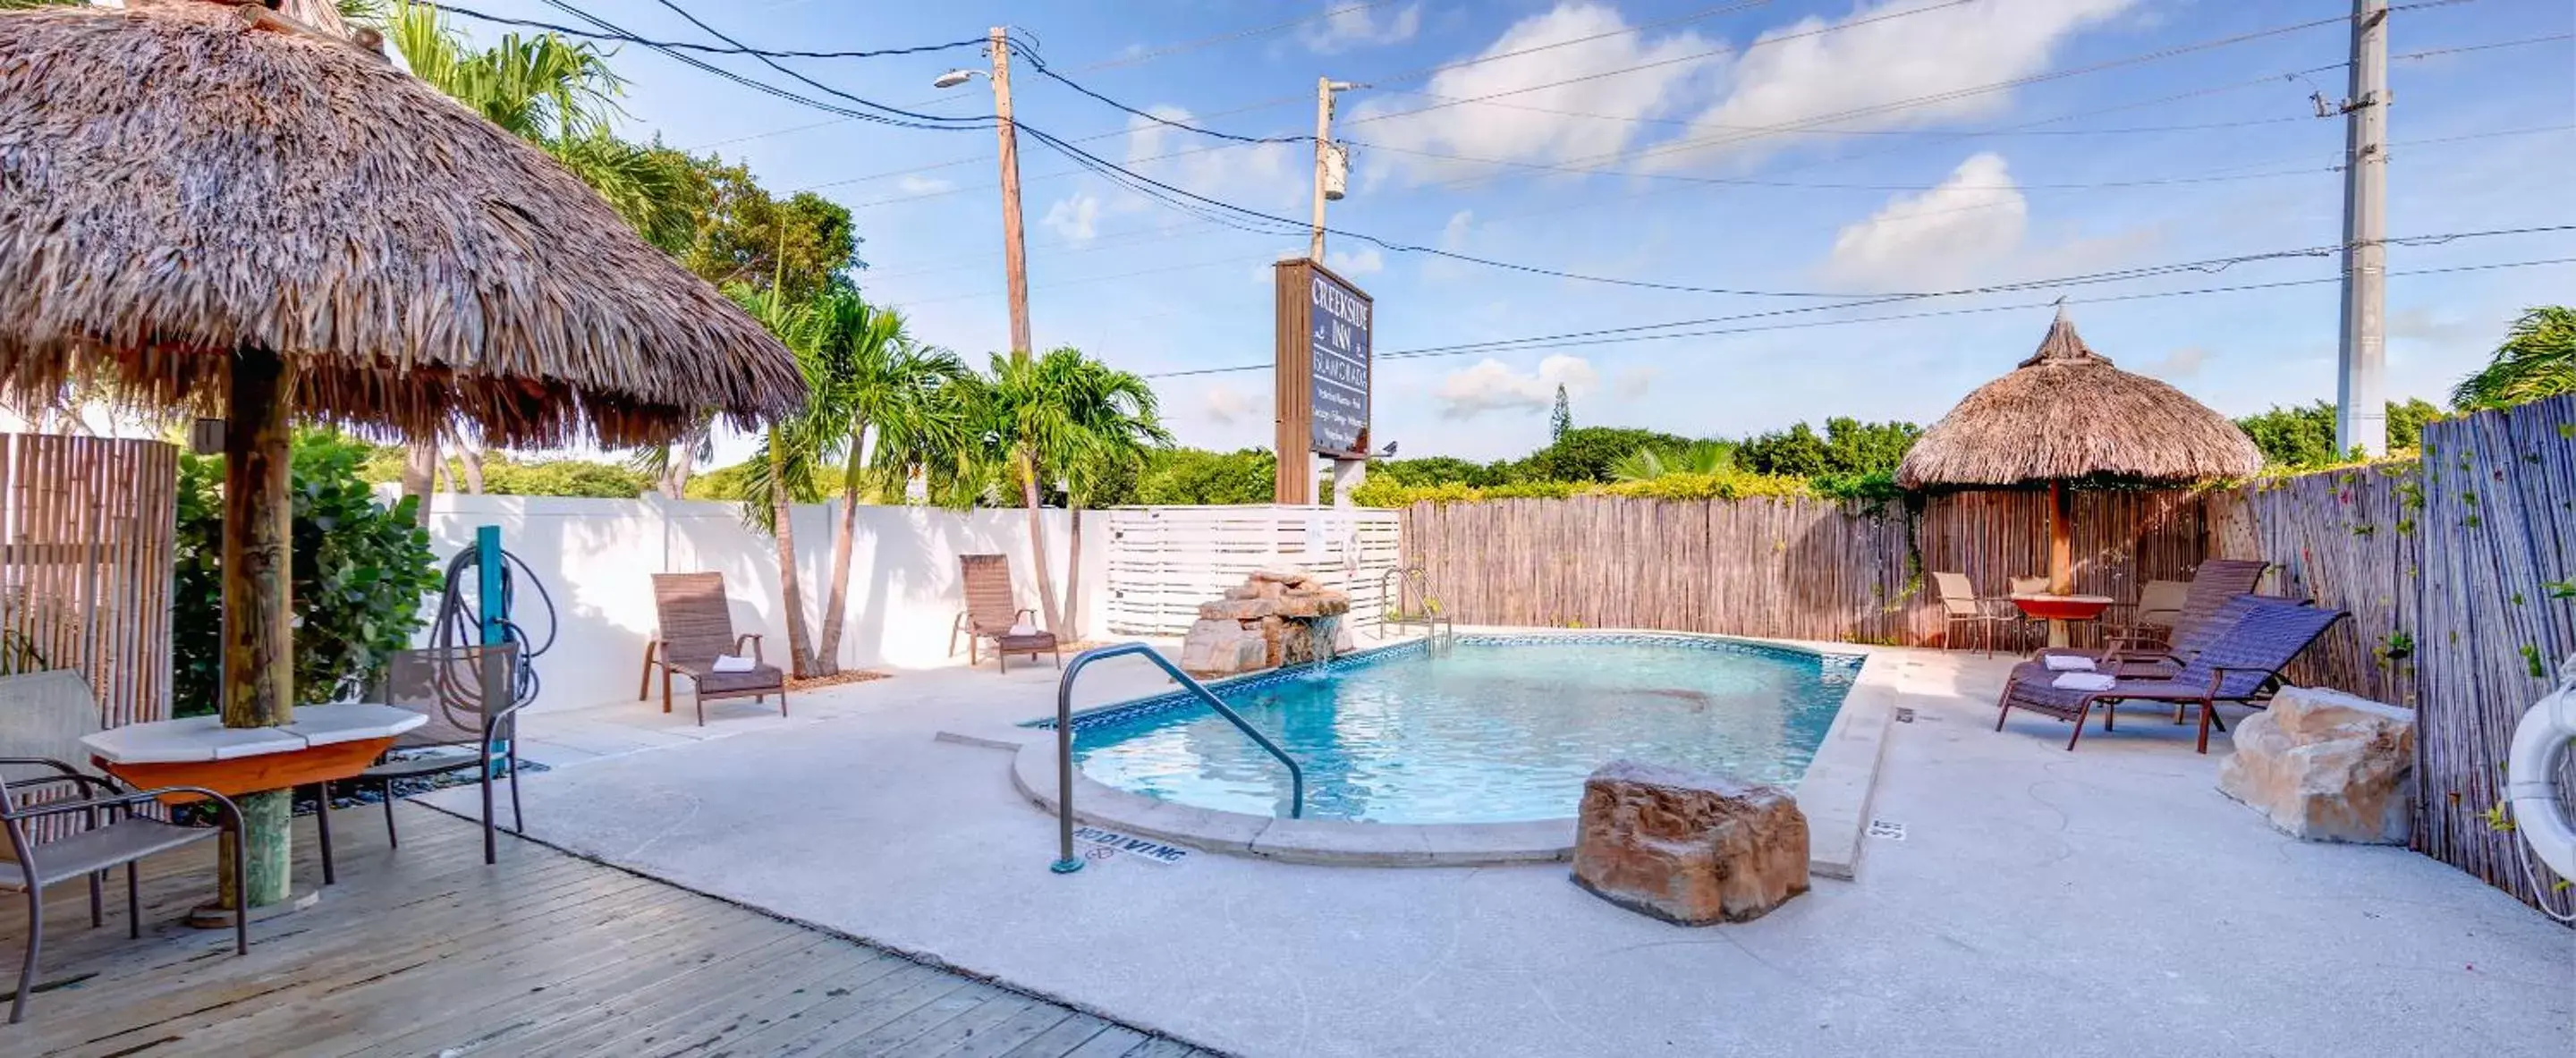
point(67, 822)
point(992, 611)
point(451, 686)
point(2242, 663)
point(696, 628)
point(1962, 607)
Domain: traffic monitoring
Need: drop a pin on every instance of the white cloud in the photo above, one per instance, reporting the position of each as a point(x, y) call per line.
point(1877, 72)
point(1453, 235)
point(1267, 175)
point(1935, 239)
point(1075, 218)
point(1353, 265)
point(2179, 364)
point(1519, 126)
point(1226, 405)
point(1634, 382)
point(1493, 386)
point(1349, 25)
point(924, 185)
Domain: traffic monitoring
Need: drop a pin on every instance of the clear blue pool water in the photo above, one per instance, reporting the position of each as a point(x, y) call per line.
point(1492, 730)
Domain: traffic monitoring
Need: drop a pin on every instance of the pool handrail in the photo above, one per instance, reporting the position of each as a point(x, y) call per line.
point(1065, 862)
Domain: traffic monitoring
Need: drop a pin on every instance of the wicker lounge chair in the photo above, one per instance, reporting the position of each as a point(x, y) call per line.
point(697, 627)
point(992, 611)
point(65, 822)
point(1962, 607)
point(447, 685)
point(2240, 664)
point(2212, 585)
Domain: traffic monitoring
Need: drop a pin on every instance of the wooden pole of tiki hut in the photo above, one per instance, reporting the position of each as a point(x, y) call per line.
point(258, 688)
point(2061, 542)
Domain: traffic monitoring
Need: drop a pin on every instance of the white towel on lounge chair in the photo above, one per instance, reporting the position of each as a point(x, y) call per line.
point(1024, 629)
point(731, 663)
point(2067, 663)
point(2084, 681)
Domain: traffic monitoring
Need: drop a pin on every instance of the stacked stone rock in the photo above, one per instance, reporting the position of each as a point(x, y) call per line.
point(2326, 766)
point(1266, 622)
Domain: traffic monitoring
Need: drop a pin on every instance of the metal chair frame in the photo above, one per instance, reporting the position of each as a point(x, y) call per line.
point(110, 798)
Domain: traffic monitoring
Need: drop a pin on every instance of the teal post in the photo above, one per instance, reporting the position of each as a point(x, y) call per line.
point(487, 594)
point(487, 547)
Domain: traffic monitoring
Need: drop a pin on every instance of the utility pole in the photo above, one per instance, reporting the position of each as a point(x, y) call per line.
point(1015, 258)
point(1332, 167)
point(2361, 409)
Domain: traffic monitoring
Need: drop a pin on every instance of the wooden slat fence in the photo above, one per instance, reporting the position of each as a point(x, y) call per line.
point(2497, 529)
point(86, 558)
point(2122, 539)
point(1787, 568)
point(2447, 567)
point(2348, 539)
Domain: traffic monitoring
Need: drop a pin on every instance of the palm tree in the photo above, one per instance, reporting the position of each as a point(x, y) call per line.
point(1116, 424)
point(1702, 458)
point(871, 375)
point(784, 468)
point(557, 94)
point(1081, 420)
point(2537, 359)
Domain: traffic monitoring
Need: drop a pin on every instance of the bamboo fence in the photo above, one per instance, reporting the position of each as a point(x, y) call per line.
point(2453, 569)
point(2350, 540)
point(2498, 531)
point(86, 558)
point(1788, 568)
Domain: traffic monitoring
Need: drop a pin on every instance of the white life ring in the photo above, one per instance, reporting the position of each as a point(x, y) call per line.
point(2530, 769)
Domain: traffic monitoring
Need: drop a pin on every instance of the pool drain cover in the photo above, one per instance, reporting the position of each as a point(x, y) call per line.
point(1888, 829)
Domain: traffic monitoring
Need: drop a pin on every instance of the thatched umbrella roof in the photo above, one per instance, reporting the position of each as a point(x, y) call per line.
point(2065, 414)
point(174, 187)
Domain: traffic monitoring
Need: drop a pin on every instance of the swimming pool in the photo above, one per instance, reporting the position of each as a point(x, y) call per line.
point(1493, 729)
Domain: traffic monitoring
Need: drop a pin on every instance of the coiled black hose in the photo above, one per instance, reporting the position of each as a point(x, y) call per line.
point(459, 621)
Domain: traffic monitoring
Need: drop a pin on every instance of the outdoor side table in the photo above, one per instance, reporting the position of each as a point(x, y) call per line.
point(2058, 610)
point(325, 742)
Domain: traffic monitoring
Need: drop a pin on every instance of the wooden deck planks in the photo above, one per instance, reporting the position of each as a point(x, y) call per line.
point(424, 950)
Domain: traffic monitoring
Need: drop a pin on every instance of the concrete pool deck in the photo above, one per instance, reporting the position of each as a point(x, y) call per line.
point(2107, 901)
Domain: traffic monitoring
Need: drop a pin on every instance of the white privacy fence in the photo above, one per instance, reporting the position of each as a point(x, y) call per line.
point(1164, 561)
point(596, 558)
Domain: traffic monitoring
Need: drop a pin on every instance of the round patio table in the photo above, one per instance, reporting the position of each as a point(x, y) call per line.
point(2058, 610)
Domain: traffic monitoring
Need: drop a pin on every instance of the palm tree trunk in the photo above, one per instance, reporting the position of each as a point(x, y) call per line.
point(791, 596)
point(1069, 626)
point(836, 595)
point(1037, 532)
point(420, 475)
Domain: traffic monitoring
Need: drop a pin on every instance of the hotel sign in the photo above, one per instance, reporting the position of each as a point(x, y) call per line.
point(1320, 384)
point(1337, 326)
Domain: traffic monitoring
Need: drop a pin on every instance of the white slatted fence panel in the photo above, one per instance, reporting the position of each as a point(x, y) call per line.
point(1165, 561)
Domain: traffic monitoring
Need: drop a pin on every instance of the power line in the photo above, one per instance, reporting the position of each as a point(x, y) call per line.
point(748, 82)
point(1444, 351)
point(1040, 65)
point(622, 37)
point(765, 60)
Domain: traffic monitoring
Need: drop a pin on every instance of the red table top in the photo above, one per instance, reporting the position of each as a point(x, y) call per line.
point(2063, 607)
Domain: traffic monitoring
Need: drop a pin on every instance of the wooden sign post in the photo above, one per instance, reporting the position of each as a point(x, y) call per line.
point(1321, 379)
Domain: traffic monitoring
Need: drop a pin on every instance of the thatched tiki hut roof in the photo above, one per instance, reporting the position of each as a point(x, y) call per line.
point(217, 208)
point(2066, 414)
point(175, 187)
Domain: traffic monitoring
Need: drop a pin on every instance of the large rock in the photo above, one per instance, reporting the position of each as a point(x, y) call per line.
point(1688, 847)
point(1238, 609)
point(2326, 766)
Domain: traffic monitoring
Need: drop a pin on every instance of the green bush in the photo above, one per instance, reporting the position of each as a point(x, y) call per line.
point(563, 477)
point(359, 573)
point(1198, 476)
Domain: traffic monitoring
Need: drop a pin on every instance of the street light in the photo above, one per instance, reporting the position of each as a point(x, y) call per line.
point(1014, 253)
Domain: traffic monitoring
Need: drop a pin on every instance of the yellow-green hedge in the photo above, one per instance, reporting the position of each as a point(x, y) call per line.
point(1382, 492)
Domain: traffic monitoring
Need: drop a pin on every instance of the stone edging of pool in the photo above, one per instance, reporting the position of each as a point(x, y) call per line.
point(1834, 795)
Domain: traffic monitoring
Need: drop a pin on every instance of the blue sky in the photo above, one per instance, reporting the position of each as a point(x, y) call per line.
point(1787, 147)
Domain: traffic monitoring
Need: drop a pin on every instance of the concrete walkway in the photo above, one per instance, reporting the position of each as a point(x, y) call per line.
point(2107, 901)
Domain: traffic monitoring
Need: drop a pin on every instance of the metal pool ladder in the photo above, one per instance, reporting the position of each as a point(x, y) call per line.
point(1065, 862)
point(1417, 583)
